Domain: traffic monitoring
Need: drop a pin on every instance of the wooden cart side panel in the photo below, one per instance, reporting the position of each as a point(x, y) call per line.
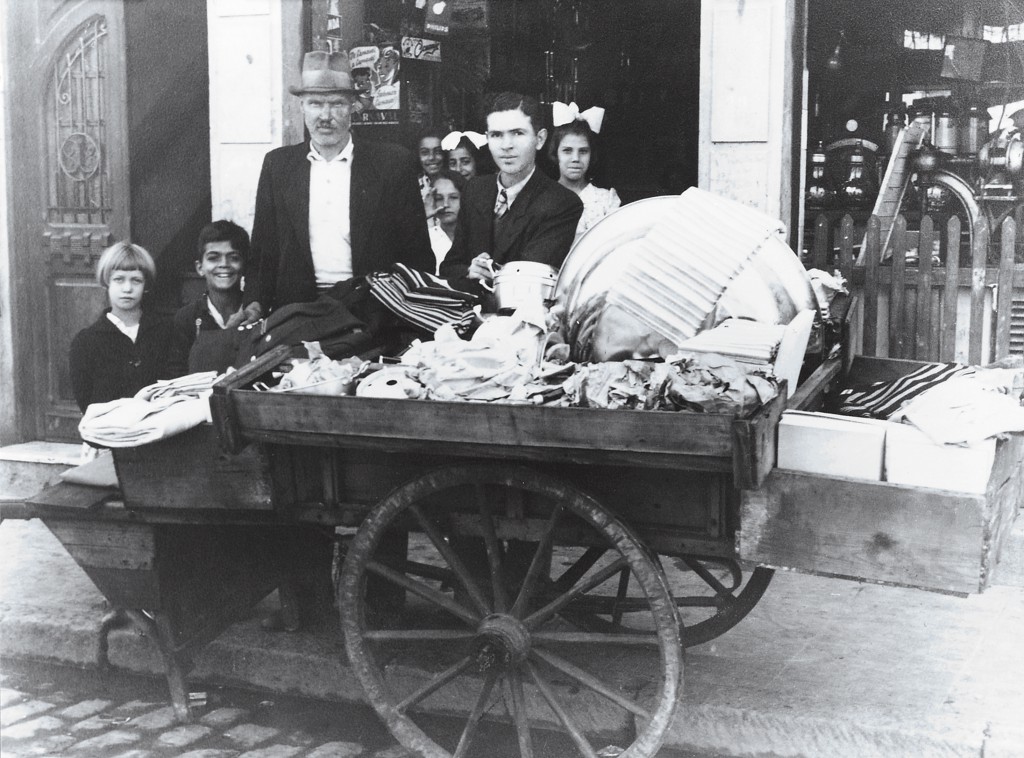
point(119, 558)
point(191, 471)
point(404, 423)
point(209, 575)
point(105, 545)
point(880, 532)
point(754, 441)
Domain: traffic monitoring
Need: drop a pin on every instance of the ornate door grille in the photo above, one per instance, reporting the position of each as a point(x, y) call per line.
point(79, 175)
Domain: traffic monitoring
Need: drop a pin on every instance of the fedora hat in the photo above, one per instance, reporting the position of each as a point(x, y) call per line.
point(324, 72)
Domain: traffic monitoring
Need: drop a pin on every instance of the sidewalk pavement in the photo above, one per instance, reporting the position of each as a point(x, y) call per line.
point(821, 667)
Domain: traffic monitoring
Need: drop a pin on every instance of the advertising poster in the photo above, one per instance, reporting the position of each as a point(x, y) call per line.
point(376, 73)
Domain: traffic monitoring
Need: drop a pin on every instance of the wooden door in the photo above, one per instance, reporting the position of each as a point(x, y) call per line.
point(70, 191)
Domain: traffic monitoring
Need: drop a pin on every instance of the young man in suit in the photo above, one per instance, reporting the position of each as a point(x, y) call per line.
point(331, 209)
point(524, 215)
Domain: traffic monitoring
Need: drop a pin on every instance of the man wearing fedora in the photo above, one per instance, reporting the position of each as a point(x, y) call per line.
point(331, 209)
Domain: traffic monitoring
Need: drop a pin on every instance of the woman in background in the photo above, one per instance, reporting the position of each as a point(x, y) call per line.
point(465, 154)
point(443, 212)
point(431, 157)
point(572, 150)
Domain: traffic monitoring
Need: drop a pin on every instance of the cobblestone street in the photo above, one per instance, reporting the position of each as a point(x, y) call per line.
point(49, 710)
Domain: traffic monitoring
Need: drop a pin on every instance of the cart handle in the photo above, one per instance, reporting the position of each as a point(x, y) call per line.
point(221, 406)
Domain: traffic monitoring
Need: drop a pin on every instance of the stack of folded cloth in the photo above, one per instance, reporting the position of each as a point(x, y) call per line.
point(160, 410)
point(745, 341)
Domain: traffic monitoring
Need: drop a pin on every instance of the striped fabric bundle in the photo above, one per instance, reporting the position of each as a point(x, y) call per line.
point(423, 300)
point(883, 399)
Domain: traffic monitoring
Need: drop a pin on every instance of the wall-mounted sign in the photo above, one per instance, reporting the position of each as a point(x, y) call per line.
point(375, 73)
point(375, 118)
point(421, 49)
point(438, 17)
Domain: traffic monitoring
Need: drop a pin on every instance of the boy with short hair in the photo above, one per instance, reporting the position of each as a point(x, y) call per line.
point(524, 215)
point(221, 253)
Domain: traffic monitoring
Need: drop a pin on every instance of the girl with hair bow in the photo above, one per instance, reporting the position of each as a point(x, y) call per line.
point(572, 150)
point(465, 153)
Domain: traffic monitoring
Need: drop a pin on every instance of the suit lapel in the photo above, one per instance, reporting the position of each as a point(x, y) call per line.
point(296, 195)
point(363, 174)
point(515, 220)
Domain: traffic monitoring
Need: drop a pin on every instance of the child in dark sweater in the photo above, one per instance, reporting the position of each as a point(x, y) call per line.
point(126, 348)
point(199, 343)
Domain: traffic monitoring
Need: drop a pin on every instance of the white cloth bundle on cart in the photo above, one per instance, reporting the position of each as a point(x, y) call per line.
point(129, 422)
point(160, 410)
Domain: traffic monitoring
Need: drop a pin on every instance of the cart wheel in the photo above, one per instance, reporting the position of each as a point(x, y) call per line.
point(721, 597)
point(501, 654)
point(713, 594)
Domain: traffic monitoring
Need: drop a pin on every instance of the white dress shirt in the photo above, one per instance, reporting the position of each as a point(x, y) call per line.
point(131, 332)
point(330, 233)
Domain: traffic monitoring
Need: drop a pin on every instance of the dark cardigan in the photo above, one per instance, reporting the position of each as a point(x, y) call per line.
point(106, 365)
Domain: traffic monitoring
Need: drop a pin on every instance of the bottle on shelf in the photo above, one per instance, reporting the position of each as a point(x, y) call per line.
point(857, 190)
point(818, 193)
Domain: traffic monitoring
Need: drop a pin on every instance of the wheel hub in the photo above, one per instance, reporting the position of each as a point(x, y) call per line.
point(501, 640)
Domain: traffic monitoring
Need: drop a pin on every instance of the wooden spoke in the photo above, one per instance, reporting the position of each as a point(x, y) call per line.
point(453, 560)
point(538, 563)
point(549, 610)
point(576, 571)
point(437, 682)
point(418, 635)
point(424, 591)
point(588, 680)
point(649, 639)
point(712, 581)
point(428, 571)
point(493, 550)
point(475, 715)
point(570, 726)
point(519, 714)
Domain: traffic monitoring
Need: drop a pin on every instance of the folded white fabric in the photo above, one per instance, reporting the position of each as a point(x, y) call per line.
point(132, 421)
point(964, 411)
point(193, 385)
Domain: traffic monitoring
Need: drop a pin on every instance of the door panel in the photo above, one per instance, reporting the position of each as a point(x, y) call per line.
point(68, 88)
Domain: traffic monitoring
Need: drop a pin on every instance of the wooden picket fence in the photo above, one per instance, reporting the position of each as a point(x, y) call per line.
point(921, 310)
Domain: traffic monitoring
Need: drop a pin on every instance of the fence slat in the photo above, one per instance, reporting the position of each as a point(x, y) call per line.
point(896, 289)
point(947, 323)
point(871, 254)
point(979, 253)
point(1004, 287)
point(822, 243)
point(923, 333)
point(846, 247)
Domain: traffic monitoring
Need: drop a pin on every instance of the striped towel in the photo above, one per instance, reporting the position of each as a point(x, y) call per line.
point(423, 300)
point(883, 399)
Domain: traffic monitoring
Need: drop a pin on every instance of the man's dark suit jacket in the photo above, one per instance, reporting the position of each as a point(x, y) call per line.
point(388, 224)
point(540, 226)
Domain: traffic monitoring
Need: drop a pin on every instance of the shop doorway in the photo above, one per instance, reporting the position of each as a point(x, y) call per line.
point(108, 139)
point(639, 60)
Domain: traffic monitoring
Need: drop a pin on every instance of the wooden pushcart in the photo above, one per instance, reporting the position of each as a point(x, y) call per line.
point(555, 562)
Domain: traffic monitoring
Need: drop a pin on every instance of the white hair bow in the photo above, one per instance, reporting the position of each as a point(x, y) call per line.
point(566, 114)
point(452, 140)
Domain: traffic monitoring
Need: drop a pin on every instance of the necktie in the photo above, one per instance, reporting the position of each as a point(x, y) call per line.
point(501, 206)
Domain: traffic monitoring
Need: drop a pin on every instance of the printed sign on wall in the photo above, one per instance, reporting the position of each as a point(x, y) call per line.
point(375, 72)
point(438, 17)
point(420, 49)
